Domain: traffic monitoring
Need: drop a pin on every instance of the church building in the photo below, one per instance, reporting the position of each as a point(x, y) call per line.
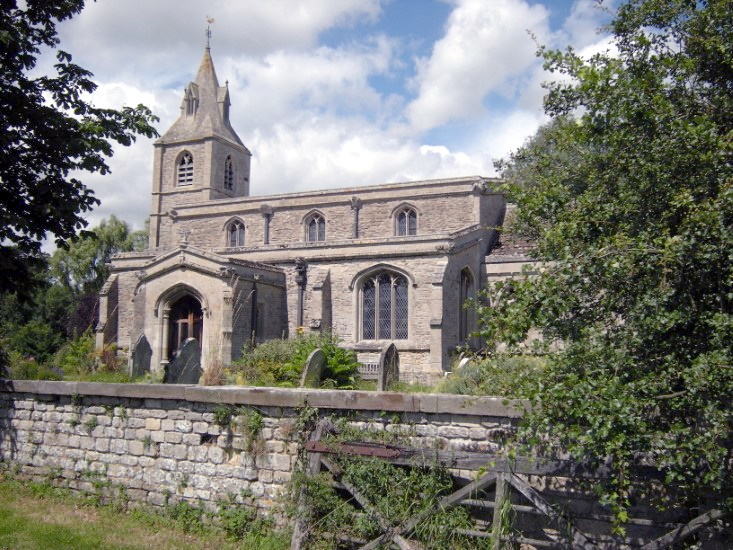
point(380, 264)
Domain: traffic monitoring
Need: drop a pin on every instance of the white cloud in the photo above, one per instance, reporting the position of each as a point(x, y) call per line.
point(482, 49)
point(153, 42)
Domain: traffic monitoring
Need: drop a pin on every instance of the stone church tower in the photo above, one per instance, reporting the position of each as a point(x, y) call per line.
point(210, 161)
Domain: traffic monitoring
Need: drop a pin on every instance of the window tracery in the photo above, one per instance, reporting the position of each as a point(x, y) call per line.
point(316, 228)
point(236, 234)
point(406, 221)
point(384, 307)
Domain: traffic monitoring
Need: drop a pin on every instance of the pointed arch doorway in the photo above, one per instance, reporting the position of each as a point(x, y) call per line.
point(186, 321)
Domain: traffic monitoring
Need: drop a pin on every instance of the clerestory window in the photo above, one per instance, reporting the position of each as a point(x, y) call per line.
point(228, 174)
point(236, 234)
point(406, 221)
point(384, 307)
point(316, 229)
point(185, 169)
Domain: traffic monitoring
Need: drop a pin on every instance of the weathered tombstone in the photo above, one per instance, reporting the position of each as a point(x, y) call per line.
point(313, 369)
point(186, 367)
point(464, 362)
point(140, 358)
point(389, 368)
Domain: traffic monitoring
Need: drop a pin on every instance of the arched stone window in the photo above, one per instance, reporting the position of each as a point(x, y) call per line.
point(384, 307)
point(467, 291)
point(315, 228)
point(406, 221)
point(235, 234)
point(185, 169)
point(228, 174)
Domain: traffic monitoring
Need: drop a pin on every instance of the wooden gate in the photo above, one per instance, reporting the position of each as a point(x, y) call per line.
point(554, 516)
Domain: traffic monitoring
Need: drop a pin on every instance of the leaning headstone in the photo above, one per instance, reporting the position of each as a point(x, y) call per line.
point(186, 367)
point(464, 362)
point(313, 369)
point(389, 368)
point(140, 358)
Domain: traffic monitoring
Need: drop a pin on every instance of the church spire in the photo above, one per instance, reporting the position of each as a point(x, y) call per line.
point(205, 105)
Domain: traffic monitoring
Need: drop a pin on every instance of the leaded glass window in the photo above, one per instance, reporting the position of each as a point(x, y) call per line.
point(316, 229)
point(385, 307)
point(369, 310)
point(466, 324)
point(185, 169)
point(236, 234)
point(407, 221)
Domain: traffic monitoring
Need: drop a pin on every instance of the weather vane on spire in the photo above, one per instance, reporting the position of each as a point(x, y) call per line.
point(209, 21)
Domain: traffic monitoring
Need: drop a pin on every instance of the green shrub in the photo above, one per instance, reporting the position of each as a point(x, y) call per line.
point(281, 362)
point(27, 368)
point(236, 518)
point(505, 376)
point(76, 357)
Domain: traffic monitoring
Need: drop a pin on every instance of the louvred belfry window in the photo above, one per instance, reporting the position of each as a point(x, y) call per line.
point(185, 169)
point(228, 174)
point(385, 307)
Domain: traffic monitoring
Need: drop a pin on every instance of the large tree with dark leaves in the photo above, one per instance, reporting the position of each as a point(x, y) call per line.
point(50, 134)
point(632, 209)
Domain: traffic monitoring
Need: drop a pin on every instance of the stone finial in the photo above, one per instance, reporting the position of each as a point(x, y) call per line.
point(356, 203)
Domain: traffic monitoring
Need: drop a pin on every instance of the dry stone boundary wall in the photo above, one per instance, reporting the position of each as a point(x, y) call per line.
point(162, 442)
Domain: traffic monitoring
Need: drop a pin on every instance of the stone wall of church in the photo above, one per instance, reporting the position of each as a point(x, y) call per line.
point(163, 444)
point(438, 214)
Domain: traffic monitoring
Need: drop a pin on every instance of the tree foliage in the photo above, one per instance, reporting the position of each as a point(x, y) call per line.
point(632, 211)
point(82, 267)
point(51, 133)
point(63, 304)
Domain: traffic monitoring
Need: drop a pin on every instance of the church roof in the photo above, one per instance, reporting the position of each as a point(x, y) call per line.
point(204, 110)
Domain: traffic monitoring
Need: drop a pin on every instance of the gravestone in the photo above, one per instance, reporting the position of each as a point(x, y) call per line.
point(389, 367)
point(464, 362)
point(140, 358)
point(186, 367)
point(313, 369)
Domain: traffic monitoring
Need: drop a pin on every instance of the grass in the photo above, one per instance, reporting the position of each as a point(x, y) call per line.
point(36, 516)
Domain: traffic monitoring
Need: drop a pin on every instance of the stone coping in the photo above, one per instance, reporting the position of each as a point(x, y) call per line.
point(435, 403)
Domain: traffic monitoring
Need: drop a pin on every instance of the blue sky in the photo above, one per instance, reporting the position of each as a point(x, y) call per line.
point(330, 93)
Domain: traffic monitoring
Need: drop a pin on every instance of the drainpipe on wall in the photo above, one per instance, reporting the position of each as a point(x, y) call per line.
point(253, 310)
point(300, 279)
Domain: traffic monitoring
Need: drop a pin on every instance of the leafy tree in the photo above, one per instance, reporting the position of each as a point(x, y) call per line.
point(82, 266)
point(50, 134)
point(633, 216)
